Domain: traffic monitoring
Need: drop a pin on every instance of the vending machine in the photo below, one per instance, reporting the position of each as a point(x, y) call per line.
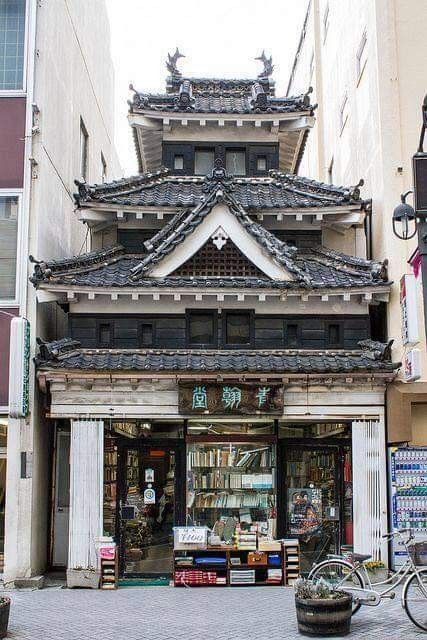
point(408, 495)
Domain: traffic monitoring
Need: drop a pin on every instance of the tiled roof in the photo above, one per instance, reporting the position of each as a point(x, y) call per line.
point(204, 95)
point(289, 361)
point(114, 268)
point(161, 189)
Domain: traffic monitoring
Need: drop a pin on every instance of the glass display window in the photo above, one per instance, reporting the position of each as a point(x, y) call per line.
point(229, 427)
point(235, 481)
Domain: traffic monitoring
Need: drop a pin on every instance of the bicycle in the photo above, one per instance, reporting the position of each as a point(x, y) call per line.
point(353, 577)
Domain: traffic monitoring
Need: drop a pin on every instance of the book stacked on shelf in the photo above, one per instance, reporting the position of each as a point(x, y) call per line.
point(225, 457)
point(232, 500)
point(246, 539)
point(196, 577)
point(242, 576)
point(274, 576)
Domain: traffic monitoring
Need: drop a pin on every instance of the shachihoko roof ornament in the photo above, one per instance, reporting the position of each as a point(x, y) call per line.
point(268, 65)
point(171, 63)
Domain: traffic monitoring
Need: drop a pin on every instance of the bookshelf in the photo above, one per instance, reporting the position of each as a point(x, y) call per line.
point(225, 479)
point(228, 567)
point(110, 486)
point(291, 557)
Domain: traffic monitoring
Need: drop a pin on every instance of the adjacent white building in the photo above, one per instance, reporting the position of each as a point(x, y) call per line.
point(61, 91)
point(364, 61)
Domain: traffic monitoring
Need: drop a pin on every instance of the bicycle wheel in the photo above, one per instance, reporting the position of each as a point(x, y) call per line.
point(336, 572)
point(414, 598)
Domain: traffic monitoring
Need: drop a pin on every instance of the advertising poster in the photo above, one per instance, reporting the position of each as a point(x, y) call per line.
point(304, 510)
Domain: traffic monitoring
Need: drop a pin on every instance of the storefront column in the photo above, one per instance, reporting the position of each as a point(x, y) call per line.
point(369, 488)
point(86, 496)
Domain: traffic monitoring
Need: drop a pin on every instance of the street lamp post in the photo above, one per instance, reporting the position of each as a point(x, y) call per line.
point(407, 220)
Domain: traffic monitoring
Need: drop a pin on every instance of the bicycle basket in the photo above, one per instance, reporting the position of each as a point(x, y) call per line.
point(418, 553)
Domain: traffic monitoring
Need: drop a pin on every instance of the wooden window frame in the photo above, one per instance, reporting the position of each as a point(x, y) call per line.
point(229, 312)
point(291, 323)
point(340, 343)
point(152, 323)
point(100, 322)
point(194, 312)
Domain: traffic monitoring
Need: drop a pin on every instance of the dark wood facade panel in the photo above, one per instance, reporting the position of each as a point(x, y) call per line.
point(12, 142)
point(269, 152)
point(172, 332)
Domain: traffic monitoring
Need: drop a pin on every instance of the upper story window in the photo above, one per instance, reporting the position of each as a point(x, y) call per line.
point(178, 162)
point(133, 239)
point(325, 22)
point(237, 329)
point(344, 113)
point(361, 56)
point(261, 164)
point(9, 206)
point(201, 328)
point(311, 71)
point(12, 44)
point(84, 150)
point(235, 162)
point(203, 161)
point(103, 168)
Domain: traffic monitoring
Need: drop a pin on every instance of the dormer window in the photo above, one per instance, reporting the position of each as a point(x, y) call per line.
point(178, 162)
point(261, 164)
point(204, 161)
point(235, 162)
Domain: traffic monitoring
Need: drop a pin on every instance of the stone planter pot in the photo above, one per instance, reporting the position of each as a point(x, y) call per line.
point(4, 615)
point(324, 617)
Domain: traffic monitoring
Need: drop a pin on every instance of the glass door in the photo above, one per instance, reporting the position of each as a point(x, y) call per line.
point(148, 508)
point(313, 498)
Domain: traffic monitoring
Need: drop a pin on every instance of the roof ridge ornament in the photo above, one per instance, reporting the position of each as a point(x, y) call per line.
point(268, 65)
point(259, 97)
point(171, 63)
point(219, 175)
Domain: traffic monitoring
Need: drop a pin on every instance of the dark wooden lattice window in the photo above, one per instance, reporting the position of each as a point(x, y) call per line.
point(213, 262)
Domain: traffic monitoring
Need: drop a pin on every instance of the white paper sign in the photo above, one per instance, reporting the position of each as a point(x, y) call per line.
point(149, 496)
point(149, 475)
point(191, 535)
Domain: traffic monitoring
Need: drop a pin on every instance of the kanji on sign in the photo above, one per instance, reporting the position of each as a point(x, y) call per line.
point(200, 398)
point(231, 397)
point(262, 396)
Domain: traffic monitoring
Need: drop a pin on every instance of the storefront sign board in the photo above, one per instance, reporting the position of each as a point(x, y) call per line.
point(149, 496)
point(412, 365)
point(19, 381)
point(409, 311)
point(230, 398)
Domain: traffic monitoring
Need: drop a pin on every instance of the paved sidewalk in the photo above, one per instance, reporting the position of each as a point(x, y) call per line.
point(165, 613)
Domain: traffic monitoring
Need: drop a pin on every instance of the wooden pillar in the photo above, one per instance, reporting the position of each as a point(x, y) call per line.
point(86, 501)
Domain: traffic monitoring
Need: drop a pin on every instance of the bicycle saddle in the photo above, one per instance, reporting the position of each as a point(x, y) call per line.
point(360, 557)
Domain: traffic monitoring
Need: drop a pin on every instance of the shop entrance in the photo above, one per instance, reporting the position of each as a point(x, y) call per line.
point(150, 504)
point(317, 494)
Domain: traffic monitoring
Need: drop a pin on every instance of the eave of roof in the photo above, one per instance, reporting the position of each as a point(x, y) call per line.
point(274, 361)
point(276, 191)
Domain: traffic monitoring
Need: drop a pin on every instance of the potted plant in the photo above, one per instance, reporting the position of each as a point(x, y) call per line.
point(377, 571)
point(322, 610)
point(4, 615)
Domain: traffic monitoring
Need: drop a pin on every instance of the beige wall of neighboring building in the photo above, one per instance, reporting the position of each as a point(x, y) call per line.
point(365, 62)
point(69, 77)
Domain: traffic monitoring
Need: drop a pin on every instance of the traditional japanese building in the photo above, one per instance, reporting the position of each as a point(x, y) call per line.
point(225, 349)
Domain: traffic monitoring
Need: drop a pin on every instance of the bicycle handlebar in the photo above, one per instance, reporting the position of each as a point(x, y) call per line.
point(400, 532)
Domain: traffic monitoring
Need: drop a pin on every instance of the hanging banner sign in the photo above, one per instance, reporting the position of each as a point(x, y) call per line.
point(19, 371)
point(412, 365)
point(408, 307)
point(230, 398)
